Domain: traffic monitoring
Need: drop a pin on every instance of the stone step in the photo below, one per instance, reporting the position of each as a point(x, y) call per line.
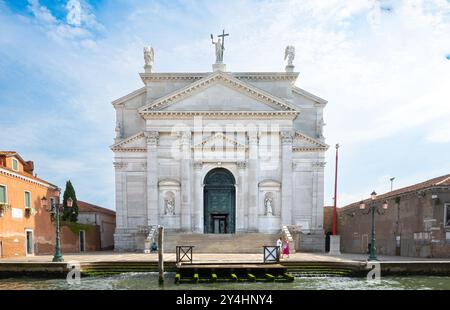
point(220, 243)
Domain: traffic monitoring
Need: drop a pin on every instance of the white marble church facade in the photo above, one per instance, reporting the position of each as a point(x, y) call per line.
point(218, 152)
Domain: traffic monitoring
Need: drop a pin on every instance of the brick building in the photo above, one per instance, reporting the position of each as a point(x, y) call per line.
point(416, 223)
point(104, 218)
point(26, 227)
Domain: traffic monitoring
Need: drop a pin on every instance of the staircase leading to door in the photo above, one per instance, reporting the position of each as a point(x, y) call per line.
point(220, 243)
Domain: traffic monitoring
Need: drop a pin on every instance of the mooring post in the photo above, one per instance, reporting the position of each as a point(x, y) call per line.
point(160, 254)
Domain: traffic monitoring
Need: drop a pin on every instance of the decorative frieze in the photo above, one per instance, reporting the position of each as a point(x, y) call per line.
point(152, 137)
point(256, 115)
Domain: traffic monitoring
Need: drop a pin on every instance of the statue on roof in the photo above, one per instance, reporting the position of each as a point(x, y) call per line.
point(148, 58)
point(289, 54)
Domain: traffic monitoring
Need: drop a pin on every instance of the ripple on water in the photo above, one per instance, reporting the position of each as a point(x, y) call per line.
point(143, 281)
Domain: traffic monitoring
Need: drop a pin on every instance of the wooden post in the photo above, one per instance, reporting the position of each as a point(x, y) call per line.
point(160, 254)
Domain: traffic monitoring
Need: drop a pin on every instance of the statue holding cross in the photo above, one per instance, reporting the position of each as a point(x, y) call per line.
point(220, 47)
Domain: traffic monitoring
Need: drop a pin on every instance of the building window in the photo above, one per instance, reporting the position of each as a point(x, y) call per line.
point(2, 194)
point(15, 164)
point(27, 200)
point(447, 214)
point(447, 236)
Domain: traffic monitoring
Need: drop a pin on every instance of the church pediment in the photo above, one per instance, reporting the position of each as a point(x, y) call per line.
point(135, 143)
point(303, 142)
point(219, 141)
point(218, 91)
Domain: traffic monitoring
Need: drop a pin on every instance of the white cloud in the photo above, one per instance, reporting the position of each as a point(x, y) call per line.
point(384, 73)
point(41, 12)
point(74, 12)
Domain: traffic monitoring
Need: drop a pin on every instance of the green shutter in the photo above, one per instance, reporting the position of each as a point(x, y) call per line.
point(2, 194)
point(27, 199)
point(15, 164)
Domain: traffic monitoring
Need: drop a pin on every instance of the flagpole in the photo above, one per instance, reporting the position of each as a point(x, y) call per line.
point(335, 194)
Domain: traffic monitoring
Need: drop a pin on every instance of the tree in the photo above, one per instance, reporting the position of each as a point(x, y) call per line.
point(70, 214)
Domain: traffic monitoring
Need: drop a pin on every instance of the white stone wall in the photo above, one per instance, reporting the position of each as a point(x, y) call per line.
point(163, 160)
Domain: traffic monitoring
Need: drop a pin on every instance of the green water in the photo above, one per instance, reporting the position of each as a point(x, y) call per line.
point(139, 281)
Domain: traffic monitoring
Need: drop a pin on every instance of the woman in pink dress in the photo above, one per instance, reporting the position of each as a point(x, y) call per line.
point(285, 249)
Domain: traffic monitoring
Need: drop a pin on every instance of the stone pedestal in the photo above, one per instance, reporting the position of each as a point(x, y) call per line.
point(148, 68)
point(219, 67)
point(269, 224)
point(290, 68)
point(335, 245)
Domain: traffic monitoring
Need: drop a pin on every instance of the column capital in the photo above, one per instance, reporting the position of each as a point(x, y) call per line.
point(241, 165)
point(318, 164)
point(185, 136)
point(119, 165)
point(252, 137)
point(152, 137)
point(198, 165)
point(286, 137)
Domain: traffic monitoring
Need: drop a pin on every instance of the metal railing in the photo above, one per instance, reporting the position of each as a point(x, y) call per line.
point(184, 254)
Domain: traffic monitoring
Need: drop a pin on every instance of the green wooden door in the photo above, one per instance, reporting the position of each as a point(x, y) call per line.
point(219, 202)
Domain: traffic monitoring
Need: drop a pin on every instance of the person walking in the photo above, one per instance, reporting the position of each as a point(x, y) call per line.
point(280, 246)
point(285, 249)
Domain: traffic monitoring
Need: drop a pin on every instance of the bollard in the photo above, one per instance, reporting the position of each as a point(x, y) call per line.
point(160, 254)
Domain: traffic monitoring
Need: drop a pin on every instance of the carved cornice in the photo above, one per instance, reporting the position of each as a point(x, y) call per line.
point(118, 146)
point(317, 144)
point(220, 137)
point(224, 79)
point(194, 76)
point(130, 149)
point(302, 92)
point(270, 115)
point(129, 96)
point(309, 149)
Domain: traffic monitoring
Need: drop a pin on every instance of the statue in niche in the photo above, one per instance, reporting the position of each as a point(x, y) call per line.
point(268, 204)
point(169, 208)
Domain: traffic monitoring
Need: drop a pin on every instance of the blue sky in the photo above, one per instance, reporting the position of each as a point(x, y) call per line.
point(382, 65)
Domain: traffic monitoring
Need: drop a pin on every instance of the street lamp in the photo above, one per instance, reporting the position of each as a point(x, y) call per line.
point(55, 207)
point(372, 208)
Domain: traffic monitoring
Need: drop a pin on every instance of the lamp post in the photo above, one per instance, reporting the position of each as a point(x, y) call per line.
point(372, 208)
point(55, 208)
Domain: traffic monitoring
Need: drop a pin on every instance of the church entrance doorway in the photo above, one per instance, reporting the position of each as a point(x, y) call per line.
point(219, 202)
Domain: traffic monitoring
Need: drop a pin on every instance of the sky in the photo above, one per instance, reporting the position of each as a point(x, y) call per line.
point(383, 67)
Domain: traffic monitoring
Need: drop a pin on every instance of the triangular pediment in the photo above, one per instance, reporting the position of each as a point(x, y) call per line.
point(135, 142)
point(219, 91)
point(219, 141)
point(304, 142)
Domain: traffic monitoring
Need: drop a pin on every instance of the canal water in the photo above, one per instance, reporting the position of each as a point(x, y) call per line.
point(144, 281)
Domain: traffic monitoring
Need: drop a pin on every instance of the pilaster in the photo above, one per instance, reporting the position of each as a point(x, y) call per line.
point(286, 169)
point(152, 177)
point(186, 181)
